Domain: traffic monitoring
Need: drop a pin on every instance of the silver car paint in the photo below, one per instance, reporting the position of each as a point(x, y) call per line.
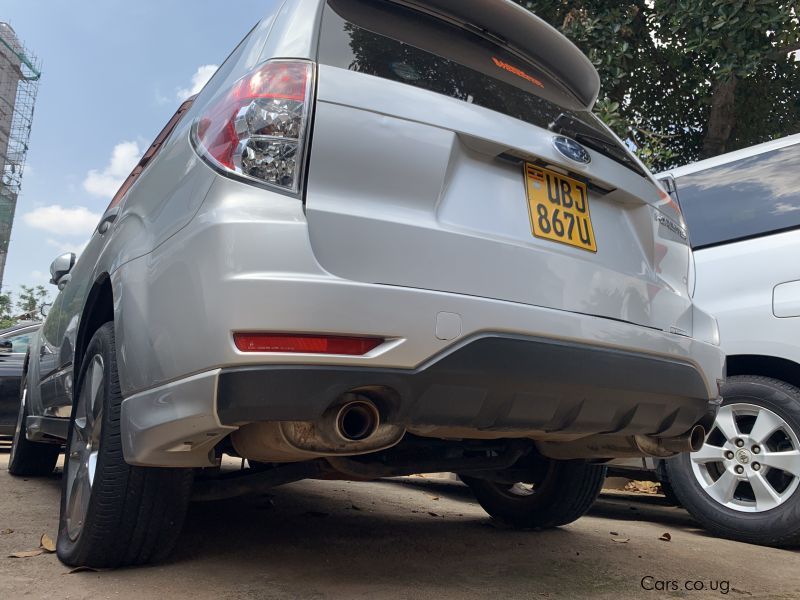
point(193, 257)
point(453, 216)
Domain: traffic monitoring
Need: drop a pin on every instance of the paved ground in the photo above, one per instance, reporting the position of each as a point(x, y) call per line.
point(410, 538)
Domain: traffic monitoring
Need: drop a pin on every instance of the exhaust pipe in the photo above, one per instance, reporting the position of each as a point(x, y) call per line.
point(347, 429)
point(605, 446)
point(357, 420)
point(691, 441)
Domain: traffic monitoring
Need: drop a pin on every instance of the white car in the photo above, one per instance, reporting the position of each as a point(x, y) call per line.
point(743, 212)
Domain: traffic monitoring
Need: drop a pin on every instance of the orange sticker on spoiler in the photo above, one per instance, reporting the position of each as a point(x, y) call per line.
point(517, 71)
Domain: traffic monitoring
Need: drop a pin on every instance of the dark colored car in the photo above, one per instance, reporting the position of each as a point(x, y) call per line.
point(14, 343)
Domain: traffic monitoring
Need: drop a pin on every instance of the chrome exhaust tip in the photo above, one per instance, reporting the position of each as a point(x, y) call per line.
point(691, 441)
point(697, 437)
point(357, 420)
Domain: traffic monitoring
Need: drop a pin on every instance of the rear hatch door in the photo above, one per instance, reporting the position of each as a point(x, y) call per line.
point(435, 164)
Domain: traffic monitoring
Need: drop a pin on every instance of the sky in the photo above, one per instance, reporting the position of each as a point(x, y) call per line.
point(113, 73)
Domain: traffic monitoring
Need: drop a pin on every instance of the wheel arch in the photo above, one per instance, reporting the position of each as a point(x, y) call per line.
point(98, 309)
point(766, 366)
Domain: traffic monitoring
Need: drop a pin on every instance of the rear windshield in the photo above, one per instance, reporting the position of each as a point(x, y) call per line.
point(393, 42)
point(747, 198)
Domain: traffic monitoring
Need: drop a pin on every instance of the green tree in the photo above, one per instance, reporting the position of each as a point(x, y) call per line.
point(6, 304)
point(31, 300)
point(688, 79)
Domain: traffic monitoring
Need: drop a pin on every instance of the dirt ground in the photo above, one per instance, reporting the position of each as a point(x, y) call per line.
point(408, 538)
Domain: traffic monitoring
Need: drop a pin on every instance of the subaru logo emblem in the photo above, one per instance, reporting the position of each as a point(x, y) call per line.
point(571, 149)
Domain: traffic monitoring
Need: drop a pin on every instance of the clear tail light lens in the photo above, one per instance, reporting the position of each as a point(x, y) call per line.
point(258, 129)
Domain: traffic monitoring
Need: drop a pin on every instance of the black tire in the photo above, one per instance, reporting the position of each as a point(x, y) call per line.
point(134, 514)
point(665, 485)
point(779, 526)
point(30, 459)
point(565, 493)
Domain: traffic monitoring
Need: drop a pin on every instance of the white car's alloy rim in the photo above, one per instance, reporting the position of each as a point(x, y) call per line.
point(84, 448)
point(750, 460)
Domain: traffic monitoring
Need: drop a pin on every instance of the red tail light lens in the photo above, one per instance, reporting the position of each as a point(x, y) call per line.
point(305, 344)
point(258, 129)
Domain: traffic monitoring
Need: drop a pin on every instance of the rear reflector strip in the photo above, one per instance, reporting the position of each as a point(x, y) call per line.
point(305, 344)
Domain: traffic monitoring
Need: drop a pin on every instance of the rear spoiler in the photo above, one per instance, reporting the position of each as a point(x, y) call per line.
point(525, 33)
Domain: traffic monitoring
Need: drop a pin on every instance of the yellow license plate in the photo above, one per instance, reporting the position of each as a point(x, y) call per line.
point(559, 208)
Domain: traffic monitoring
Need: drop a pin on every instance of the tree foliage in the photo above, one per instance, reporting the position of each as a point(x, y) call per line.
point(688, 79)
point(30, 301)
point(6, 319)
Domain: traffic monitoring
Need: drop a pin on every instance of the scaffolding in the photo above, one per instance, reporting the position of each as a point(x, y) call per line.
point(19, 83)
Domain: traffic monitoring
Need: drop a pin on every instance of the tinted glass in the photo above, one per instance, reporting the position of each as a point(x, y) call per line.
point(20, 343)
point(393, 42)
point(747, 198)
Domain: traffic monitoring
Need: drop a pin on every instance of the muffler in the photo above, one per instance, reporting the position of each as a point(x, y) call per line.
point(605, 446)
point(348, 428)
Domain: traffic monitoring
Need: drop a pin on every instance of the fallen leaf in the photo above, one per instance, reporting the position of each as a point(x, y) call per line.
point(6, 531)
point(643, 487)
point(665, 537)
point(26, 553)
point(47, 544)
point(621, 540)
point(736, 591)
point(82, 570)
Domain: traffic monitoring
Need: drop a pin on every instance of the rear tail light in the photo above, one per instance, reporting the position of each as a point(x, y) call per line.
point(257, 130)
point(305, 344)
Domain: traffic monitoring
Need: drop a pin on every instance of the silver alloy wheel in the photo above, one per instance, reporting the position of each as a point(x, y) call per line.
point(84, 447)
point(750, 460)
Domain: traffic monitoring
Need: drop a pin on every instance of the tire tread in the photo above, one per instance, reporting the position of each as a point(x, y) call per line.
point(576, 488)
point(135, 513)
point(31, 459)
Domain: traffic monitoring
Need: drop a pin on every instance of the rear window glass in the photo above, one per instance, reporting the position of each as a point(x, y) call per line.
point(393, 42)
point(747, 198)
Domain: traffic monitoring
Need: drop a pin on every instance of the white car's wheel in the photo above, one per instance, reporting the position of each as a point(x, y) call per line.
point(743, 483)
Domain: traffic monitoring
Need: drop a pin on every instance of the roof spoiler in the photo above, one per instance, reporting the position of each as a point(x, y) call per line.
point(525, 33)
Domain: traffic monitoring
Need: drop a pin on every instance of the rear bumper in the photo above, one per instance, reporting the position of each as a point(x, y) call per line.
point(493, 385)
point(477, 366)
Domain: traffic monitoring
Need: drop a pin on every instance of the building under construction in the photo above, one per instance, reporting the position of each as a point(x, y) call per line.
point(19, 82)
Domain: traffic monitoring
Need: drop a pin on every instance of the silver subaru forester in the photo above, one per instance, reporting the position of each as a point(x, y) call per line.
point(388, 237)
